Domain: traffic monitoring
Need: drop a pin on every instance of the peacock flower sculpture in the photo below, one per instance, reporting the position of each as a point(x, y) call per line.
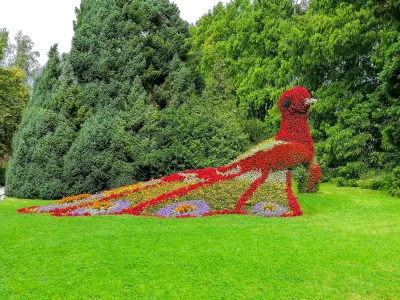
point(258, 182)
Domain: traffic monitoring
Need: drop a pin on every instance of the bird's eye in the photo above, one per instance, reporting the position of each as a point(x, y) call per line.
point(286, 103)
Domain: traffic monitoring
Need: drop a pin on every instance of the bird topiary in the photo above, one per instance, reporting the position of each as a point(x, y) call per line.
point(258, 182)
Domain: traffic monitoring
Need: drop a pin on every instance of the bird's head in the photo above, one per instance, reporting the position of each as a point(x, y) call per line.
point(295, 101)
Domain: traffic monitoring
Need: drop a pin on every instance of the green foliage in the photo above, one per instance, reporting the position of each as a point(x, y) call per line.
point(44, 137)
point(48, 80)
point(388, 60)
point(247, 36)
point(14, 91)
point(99, 157)
point(14, 95)
point(19, 54)
point(125, 105)
point(257, 130)
point(340, 181)
point(300, 176)
point(3, 42)
point(372, 183)
point(196, 135)
point(115, 42)
point(24, 57)
point(374, 180)
point(345, 53)
point(36, 167)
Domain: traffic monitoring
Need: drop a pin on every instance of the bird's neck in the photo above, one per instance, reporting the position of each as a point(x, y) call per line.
point(294, 128)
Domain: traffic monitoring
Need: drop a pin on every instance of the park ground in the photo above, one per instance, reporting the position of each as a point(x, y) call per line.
point(346, 246)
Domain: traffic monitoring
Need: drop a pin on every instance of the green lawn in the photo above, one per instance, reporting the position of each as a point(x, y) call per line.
point(346, 246)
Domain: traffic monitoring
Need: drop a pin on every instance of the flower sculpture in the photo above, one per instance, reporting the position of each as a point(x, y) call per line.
point(258, 182)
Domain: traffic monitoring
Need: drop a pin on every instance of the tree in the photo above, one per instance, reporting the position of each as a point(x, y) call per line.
point(345, 53)
point(20, 55)
point(387, 58)
point(44, 136)
point(25, 58)
point(14, 95)
point(125, 104)
point(3, 42)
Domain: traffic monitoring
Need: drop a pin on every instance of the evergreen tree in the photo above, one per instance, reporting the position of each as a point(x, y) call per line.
point(128, 57)
point(116, 41)
point(44, 136)
point(126, 104)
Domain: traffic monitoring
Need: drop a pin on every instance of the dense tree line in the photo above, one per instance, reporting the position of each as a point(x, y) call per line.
point(143, 94)
point(345, 52)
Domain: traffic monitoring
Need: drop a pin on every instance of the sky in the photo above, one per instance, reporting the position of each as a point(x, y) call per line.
point(50, 21)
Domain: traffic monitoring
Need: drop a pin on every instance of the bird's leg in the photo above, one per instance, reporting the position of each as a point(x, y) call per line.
point(314, 175)
point(253, 188)
point(293, 204)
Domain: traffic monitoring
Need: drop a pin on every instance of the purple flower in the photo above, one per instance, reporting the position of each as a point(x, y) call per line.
point(268, 209)
point(201, 207)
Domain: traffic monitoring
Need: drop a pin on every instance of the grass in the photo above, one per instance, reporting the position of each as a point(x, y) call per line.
point(346, 246)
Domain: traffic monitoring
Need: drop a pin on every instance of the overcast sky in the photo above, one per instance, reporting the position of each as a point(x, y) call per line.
point(50, 21)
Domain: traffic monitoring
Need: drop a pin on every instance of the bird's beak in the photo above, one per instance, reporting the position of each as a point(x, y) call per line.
point(311, 101)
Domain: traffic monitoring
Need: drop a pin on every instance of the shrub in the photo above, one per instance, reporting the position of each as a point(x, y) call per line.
point(300, 176)
point(372, 183)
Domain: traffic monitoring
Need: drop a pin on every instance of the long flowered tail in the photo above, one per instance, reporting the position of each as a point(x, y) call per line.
point(188, 194)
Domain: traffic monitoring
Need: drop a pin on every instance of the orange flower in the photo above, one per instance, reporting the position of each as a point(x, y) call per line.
point(185, 208)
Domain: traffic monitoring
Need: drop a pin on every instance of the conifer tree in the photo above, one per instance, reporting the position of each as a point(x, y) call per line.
point(108, 113)
point(44, 136)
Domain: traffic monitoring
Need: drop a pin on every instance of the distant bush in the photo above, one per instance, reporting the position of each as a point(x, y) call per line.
point(374, 180)
point(372, 183)
point(341, 181)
